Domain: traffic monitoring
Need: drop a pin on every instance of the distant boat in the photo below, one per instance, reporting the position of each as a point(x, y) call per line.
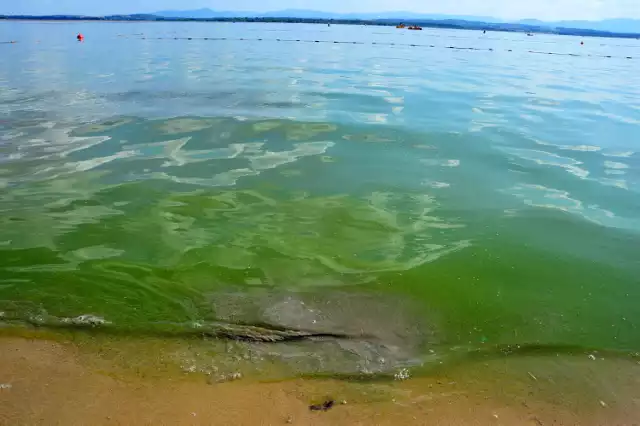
point(530, 35)
point(400, 26)
point(415, 28)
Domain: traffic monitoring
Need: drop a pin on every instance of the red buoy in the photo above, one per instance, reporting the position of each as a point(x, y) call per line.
point(80, 37)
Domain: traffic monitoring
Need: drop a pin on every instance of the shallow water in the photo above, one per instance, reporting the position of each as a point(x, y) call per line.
point(490, 196)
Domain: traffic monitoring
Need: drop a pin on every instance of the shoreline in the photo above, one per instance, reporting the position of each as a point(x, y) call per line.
point(437, 25)
point(67, 381)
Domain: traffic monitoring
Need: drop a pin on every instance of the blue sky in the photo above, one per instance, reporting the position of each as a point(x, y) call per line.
point(506, 9)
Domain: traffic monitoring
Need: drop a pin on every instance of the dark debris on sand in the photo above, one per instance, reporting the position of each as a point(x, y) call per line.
point(325, 406)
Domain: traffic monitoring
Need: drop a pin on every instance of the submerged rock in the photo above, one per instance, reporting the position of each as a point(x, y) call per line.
point(335, 331)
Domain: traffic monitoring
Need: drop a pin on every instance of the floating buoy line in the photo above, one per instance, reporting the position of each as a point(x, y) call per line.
point(372, 43)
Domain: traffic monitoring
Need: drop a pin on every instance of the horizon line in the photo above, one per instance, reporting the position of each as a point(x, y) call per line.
point(479, 18)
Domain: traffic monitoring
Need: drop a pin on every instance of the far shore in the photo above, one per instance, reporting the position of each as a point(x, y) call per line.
point(434, 24)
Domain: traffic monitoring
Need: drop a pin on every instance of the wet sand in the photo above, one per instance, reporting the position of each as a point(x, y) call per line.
point(51, 382)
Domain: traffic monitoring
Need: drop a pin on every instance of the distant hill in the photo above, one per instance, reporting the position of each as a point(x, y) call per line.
point(298, 13)
point(207, 15)
point(411, 16)
point(315, 14)
point(210, 13)
point(204, 14)
point(611, 25)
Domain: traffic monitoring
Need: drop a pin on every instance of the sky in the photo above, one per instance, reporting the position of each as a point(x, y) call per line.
point(503, 9)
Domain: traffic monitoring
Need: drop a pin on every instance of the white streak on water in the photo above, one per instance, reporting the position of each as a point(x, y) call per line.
point(83, 166)
point(270, 160)
point(440, 163)
point(625, 154)
point(615, 165)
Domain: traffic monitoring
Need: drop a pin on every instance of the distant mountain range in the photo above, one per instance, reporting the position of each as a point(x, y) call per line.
point(623, 28)
point(611, 25)
point(621, 25)
point(314, 14)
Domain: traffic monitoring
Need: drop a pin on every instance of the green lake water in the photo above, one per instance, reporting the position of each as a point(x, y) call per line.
point(458, 198)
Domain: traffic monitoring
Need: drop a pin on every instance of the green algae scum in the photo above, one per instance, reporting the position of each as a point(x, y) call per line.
point(326, 210)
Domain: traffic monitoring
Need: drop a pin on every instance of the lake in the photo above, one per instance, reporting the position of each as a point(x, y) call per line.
point(378, 198)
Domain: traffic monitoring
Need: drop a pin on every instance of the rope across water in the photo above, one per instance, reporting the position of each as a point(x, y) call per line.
point(373, 43)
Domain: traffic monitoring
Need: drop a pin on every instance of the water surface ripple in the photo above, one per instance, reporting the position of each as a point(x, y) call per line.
point(150, 185)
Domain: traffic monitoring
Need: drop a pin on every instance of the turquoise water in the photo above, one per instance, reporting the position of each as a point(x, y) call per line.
point(437, 198)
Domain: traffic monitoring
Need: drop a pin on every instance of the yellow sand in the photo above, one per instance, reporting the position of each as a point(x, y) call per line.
point(60, 383)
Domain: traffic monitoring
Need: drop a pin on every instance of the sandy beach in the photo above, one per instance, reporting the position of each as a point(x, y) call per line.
point(46, 382)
